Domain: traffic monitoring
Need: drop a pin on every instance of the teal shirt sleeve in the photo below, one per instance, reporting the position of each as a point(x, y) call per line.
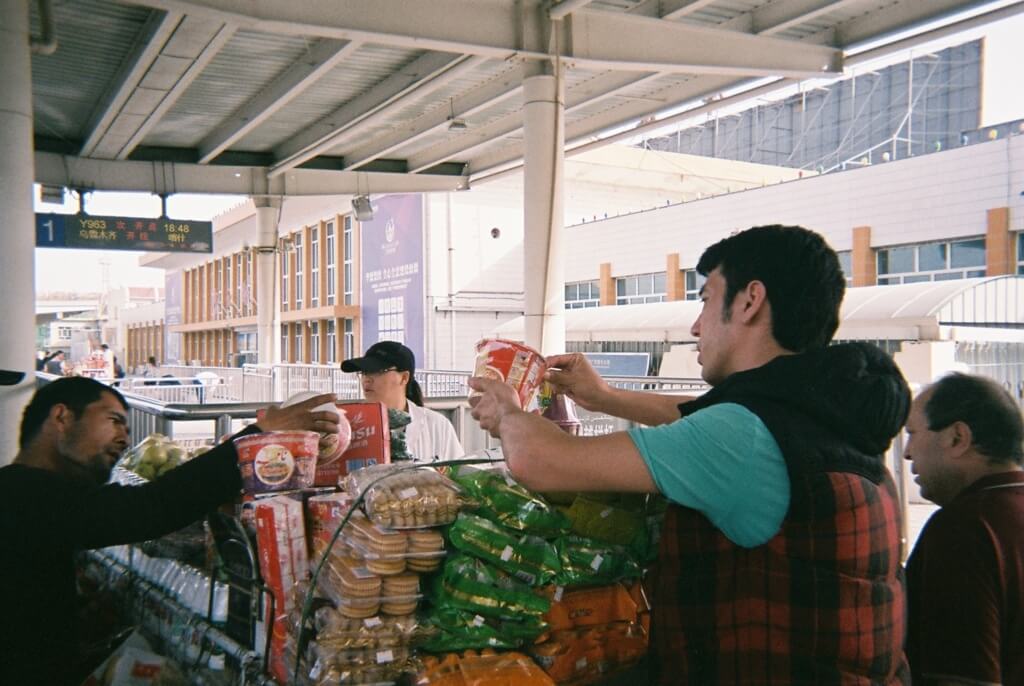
point(723, 462)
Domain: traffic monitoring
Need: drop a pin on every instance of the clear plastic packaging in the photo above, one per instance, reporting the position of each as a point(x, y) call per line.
point(400, 497)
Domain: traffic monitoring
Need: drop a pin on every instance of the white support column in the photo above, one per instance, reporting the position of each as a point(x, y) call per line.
point(17, 259)
point(268, 305)
point(543, 163)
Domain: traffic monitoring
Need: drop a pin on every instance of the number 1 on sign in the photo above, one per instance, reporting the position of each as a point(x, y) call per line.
point(49, 228)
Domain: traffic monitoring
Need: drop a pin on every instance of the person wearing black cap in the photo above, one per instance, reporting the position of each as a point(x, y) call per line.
point(386, 373)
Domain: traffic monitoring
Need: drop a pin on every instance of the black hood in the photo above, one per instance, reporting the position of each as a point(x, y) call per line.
point(850, 395)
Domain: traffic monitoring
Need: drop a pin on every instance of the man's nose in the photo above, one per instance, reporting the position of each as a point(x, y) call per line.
point(695, 329)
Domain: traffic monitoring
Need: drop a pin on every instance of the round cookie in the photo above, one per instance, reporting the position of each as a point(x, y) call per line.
point(384, 566)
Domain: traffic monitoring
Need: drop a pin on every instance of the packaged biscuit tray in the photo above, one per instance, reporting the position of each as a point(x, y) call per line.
point(368, 601)
point(341, 632)
point(399, 497)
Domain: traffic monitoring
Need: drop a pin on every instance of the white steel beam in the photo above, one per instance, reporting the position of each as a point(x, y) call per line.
point(670, 47)
point(566, 7)
point(151, 40)
point(466, 105)
point(326, 133)
point(321, 58)
point(503, 30)
point(170, 177)
point(778, 16)
point(153, 98)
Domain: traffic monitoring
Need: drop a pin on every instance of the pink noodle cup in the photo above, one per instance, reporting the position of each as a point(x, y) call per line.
point(277, 460)
point(518, 365)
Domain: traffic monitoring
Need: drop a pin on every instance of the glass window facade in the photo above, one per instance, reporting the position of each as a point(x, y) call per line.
point(348, 267)
point(284, 283)
point(332, 342)
point(941, 261)
point(349, 341)
point(299, 269)
point(332, 257)
point(1020, 253)
point(693, 281)
point(314, 342)
point(314, 267)
point(640, 288)
point(582, 294)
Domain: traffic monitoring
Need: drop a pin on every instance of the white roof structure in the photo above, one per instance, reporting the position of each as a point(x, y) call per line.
point(985, 309)
point(370, 96)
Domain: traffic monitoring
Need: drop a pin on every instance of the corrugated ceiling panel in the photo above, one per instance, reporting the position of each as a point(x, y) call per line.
point(93, 39)
point(360, 72)
point(240, 70)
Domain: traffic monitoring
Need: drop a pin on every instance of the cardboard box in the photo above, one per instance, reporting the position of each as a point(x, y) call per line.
point(371, 437)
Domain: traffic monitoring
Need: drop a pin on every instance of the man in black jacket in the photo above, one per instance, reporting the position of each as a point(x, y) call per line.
point(54, 502)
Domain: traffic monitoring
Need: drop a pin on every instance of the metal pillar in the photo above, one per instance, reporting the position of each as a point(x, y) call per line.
point(268, 305)
point(17, 259)
point(543, 164)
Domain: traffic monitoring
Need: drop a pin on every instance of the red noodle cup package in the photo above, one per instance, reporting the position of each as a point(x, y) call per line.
point(277, 461)
point(520, 366)
point(331, 444)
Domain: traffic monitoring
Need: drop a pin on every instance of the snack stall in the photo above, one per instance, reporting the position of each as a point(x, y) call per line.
point(349, 563)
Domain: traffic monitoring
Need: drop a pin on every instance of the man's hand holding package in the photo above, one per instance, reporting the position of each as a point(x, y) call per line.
point(493, 400)
point(573, 376)
point(302, 417)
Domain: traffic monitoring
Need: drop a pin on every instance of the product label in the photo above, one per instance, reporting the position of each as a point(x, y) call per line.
point(596, 562)
point(559, 592)
point(384, 656)
point(274, 464)
point(372, 622)
point(407, 493)
point(506, 554)
point(606, 513)
point(478, 620)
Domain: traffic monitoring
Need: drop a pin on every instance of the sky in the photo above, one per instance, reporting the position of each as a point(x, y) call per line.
point(82, 270)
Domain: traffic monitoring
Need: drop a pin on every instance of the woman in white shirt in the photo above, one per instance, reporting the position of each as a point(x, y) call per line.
point(386, 373)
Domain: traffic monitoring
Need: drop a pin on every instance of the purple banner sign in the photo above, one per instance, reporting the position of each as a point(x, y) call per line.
point(393, 280)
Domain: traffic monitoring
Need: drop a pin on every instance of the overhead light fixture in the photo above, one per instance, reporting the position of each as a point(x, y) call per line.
point(455, 123)
point(51, 194)
point(362, 207)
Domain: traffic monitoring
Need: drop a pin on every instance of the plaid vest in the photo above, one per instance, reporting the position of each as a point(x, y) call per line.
point(820, 603)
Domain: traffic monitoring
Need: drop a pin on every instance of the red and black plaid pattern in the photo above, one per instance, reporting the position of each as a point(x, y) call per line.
point(820, 603)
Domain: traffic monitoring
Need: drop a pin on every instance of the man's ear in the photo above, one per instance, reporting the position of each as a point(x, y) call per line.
point(961, 439)
point(751, 301)
point(62, 416)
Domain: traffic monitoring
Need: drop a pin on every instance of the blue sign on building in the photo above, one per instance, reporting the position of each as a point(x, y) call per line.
point(619, 364)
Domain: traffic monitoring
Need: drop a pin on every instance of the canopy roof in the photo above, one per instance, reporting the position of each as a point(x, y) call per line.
point(369, 96)
point(968, 309)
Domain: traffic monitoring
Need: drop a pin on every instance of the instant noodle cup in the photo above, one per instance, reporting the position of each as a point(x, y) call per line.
point(277, 460)
point(518, 365)
point(333, 444)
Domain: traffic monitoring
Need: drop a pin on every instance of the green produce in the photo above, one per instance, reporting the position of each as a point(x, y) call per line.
point(154, 456)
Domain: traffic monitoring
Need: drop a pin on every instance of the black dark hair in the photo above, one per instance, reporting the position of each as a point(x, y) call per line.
point(997, 429)
point(151, 360)
point(413, 391)
point(75, 392)
point(800, 272)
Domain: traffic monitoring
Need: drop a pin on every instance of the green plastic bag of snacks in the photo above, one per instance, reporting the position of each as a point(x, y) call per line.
point(469, 584)
point(530, 559)
point(586, 562)
point(506, 502)
point(458, 630)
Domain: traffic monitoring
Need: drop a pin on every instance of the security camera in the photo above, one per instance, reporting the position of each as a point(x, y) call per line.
point(495, 232)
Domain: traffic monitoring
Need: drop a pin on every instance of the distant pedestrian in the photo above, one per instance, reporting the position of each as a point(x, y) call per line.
point(55, 365)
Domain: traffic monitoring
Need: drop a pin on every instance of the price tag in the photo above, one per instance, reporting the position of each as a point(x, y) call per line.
point(506, 554)
point(559, 592)
point(410, 492)
point(581, 664)
point(596, 562)
point(478, 620)
point(372, 622)
point(384, 656)
point(606, 513)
